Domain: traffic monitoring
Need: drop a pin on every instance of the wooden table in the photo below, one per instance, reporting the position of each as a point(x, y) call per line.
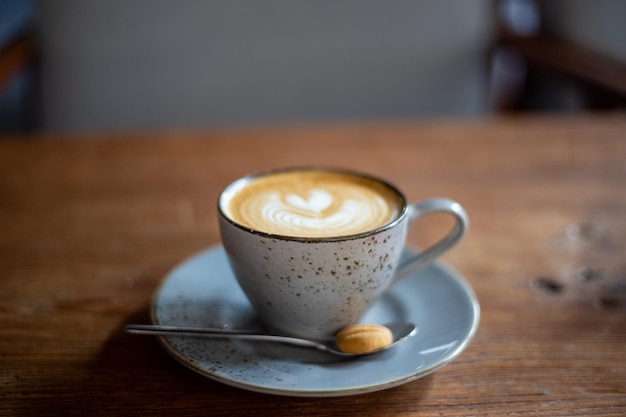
point(90, 224)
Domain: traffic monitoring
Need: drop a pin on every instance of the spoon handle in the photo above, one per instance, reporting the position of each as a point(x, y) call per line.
point(149, 329)
point(155, 329)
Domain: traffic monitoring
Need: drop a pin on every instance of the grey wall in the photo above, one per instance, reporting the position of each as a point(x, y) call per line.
point(135, 64)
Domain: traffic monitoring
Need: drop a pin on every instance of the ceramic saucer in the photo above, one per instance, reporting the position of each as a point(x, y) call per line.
point(202, 291)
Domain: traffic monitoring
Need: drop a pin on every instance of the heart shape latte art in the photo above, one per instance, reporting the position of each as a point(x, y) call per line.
point(318, 201)
point(313, 214)
point(319, 213)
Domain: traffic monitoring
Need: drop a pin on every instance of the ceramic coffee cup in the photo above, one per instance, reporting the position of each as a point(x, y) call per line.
point(314, 248)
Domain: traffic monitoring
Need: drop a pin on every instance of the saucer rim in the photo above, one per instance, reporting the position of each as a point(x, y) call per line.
point(335, 392)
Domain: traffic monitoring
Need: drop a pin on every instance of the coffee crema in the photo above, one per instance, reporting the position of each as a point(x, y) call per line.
point(312, 203)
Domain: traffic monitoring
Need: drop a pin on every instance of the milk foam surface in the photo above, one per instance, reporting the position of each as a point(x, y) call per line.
point(313, 204)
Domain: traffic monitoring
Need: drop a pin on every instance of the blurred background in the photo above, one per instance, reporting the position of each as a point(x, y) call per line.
point(123, 65)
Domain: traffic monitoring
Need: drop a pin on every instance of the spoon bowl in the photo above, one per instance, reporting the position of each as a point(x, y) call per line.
point(399, 330)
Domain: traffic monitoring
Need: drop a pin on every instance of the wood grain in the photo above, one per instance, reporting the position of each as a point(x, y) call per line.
point(89, 224)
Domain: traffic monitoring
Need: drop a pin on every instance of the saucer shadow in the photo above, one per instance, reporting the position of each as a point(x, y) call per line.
point(134, 375)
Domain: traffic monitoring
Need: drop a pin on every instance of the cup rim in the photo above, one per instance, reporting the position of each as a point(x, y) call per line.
point(248, 178)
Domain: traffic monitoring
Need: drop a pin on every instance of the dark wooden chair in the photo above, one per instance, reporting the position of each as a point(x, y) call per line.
point(18, 84)
point(15, 56)
point(524, 65)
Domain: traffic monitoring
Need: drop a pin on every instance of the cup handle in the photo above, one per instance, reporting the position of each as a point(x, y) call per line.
point(419, 209)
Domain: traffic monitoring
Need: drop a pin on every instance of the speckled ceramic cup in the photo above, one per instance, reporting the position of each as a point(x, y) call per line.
point(311, 287)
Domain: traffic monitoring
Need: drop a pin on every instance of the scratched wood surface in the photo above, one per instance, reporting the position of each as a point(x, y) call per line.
point(89, 225)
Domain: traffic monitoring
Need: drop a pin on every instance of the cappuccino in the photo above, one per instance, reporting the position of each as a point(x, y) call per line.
point(311, 203)
point(313, 248)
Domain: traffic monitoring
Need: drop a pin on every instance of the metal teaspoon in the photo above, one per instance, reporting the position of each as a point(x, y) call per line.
point(400, 332)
